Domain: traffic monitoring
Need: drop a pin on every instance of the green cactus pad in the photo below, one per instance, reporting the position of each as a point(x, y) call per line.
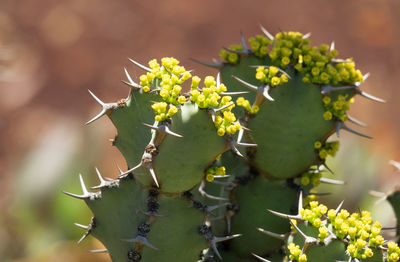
point(176, 234)
point(117, 217)
point(286, 129)
point(133, 136)
point(243, 71)
point(180, 163)
point(254, 199)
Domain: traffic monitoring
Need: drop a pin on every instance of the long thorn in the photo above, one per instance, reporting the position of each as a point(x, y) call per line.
point(98, 251)
point(266, 33)
point(331, 181)
point(272, 234)
point(103, 183)
point(260, 258)
point(248, 85)
point(162, 128)
point(142, 240)
point(140, 65)
point(356, 121)
point(130, 82)
point(215, 65)
point(342, 125)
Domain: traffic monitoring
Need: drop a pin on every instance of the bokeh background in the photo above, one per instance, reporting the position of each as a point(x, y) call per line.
point(52, 52)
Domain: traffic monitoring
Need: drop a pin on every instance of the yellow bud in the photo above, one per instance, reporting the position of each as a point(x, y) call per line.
point(209, 177)
point(221, 131)
point(181, 99)
point(146, 89)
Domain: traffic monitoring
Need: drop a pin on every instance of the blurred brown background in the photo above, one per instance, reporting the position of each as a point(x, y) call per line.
point(51, 52)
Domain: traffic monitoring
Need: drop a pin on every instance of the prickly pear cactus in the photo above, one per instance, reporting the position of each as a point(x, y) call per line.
point(189, 192)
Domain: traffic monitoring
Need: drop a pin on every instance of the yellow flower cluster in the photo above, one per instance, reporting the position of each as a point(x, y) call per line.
point(231, 57)
point(271, 76)
point(314, 62)
point(209, 96)
point(312, 178)
point(259, 45)
point(215, 171)
point(295, 253)
point(161, 112)
point(167, 79)
point(241, 101)
point(359, 229)
point(361, 233)
point(337, 108)
point(329, 148)
point(226, 123)
point(393, 252)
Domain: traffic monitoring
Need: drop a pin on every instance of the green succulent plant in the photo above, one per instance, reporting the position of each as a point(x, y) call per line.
point(205, 165)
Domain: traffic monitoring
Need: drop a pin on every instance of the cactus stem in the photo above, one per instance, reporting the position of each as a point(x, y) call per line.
point(98, 251)
point(130, 82)
point(214, 65)
point(203, 193)
point(140, 65)
point(266, 33)
point(272, 234)
point(332, 181)
point(163, 129)
point(85, 195)
point(260, 258)
point(106, 108)
point(141, 240)
point(261, 90)
point(342, 125)
point(356, 121)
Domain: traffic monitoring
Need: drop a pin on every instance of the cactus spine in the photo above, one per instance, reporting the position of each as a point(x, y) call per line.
point(191, 193)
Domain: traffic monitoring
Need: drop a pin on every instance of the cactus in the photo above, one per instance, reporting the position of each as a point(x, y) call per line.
point(190, 193)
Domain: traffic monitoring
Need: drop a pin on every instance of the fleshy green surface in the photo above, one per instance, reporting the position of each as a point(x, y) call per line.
point(117, 217)
point(176, 234)
point(181, 161)
point(133, 136)
point(285, 129)
point(254, 199)
point(242, 71)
